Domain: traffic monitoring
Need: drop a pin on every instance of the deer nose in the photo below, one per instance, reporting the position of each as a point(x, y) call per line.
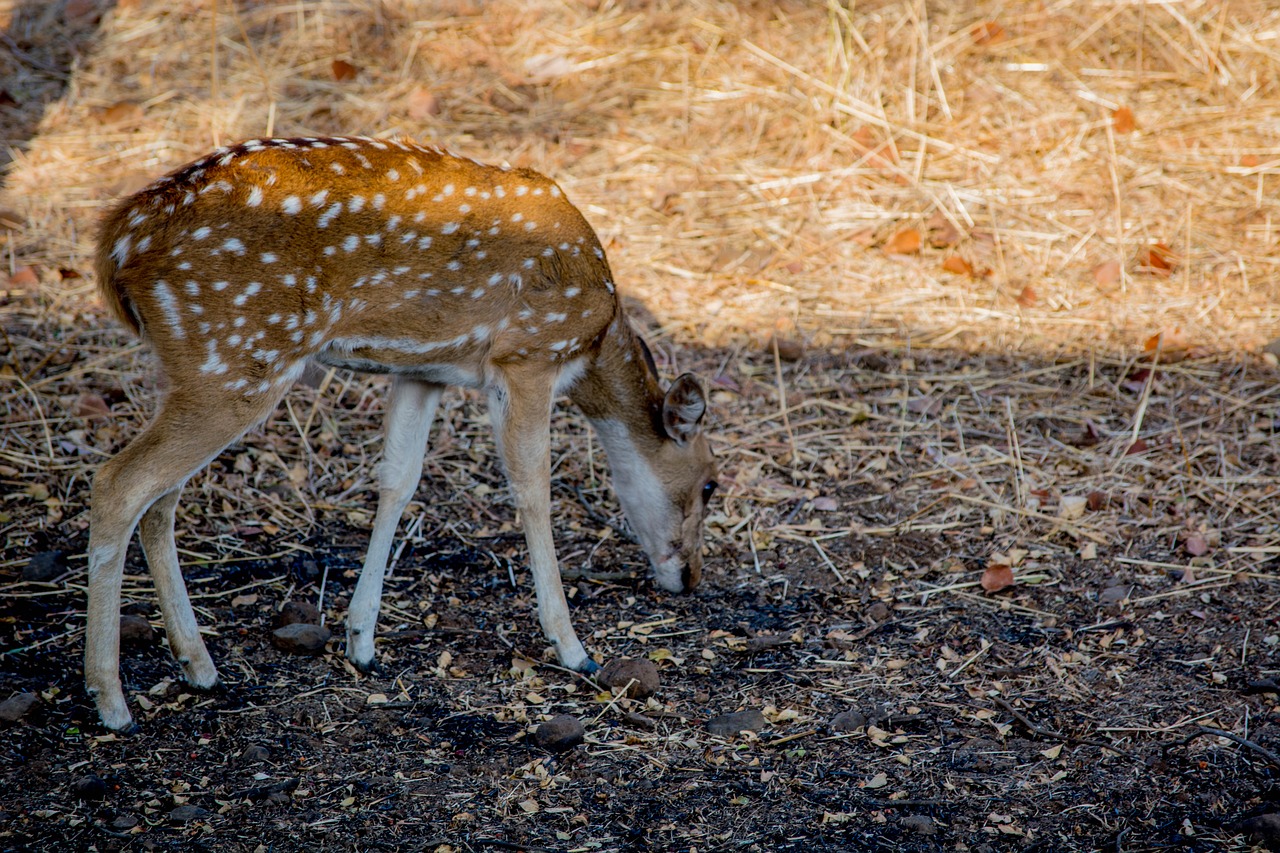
point(691, 573)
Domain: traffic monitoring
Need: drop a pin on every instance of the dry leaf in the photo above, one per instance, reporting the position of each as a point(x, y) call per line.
point(1027, 296)
point(1107, 274)
point(1157, 259)
point(423, 104)
point(91, 406)
point(1249, 161)
point(905, 242)
point(121, 112)
point(1122, 120)
point(24, 278)
point(1197, 545)
point(1138, 446)
point(825, 504)
point(996, 577)
point(941, 232)
point(343, 70)
point(987, 32)
point(957, 265)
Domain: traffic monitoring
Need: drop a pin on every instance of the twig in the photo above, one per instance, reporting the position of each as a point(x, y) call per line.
point(1055, 735)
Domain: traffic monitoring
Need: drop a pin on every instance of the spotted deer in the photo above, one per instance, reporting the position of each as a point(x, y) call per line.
point(380, 256)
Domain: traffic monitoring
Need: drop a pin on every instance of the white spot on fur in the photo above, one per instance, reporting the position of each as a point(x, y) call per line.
point(291, 205)
point(255, 197)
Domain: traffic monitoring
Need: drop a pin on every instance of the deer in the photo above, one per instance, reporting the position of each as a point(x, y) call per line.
point(380, 256)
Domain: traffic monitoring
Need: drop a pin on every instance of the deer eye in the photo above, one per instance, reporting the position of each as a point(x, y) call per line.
point(708, 490)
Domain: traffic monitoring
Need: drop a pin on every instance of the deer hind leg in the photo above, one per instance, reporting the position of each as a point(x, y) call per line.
point(185, 435)
point(521, 415)
point(411, 407)
point(156, 532)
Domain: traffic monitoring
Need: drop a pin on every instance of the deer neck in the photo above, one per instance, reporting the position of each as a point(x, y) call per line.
point(619, 393)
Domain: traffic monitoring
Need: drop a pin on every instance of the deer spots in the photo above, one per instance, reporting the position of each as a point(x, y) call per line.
point(318, 199)
point(202, 232)
point(255, 197)
point(449, 228)
point(355, 204)
point(214, 363)
point(350, 244)
point(328, 216)
point(571, 292)
point(393, 175)
point(268, 257)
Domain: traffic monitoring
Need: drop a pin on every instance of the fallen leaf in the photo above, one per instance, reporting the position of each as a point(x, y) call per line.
point(121, 112)
point(1027, 296)
point(1139, 446)
point(825, 504)
point(905, 242)
point(877, 781)
point(1157, 259)
point(89, 405)
point(423, 104)
point(1052, 752)
point(1072, 507)
point(1096, 501)
point(957, 265)
point(1196, 545)
point(1249, 161)
point(1122, 120)
point(25, 278)
point(343, 70)
point(1106, 274)
point(987, 32)
point(996, 577)
point(941, 232)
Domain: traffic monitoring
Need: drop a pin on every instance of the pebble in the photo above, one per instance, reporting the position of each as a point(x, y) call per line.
point(124, 822)
point(919, 823)
point(301, 638)
point(136, 631)
point(89, 788)
point(255, 753)
point(637, 677)
point(188, 813)
point(728, 725)
point(878, 612)
point(297, 613)
point(18, 706)
point(561, 732)
point(1264, 828)
point(44, 566)
point(848, 721)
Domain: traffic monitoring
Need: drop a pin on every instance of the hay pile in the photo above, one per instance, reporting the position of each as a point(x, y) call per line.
point(1048, 179)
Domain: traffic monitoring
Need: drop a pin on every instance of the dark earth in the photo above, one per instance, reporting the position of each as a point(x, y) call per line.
point(1121, 695)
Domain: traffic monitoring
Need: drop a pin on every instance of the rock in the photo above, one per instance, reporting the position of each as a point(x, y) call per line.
point(89, 788)
point(188, 813)
point(136, 631)
point(255, 753)
point(44, 566)
point(638, 677)
point(848, 721)
point(561, 732)
point(301, 638)
point(728, 725)
point(124, 823)
point(297, 613)
point(918, 823)
point(789, 349)
point(1264, 829)
point(18, 706)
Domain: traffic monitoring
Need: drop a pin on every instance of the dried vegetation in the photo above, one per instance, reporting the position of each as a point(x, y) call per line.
point(982, 292)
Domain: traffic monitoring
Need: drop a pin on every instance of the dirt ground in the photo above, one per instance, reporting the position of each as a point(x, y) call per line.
point(993, 562)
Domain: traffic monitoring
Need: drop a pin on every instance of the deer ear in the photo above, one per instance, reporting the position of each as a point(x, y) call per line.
point(683, 408)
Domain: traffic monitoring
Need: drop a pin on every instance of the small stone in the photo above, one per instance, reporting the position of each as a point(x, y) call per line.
point(918, 823)
point(255, 753)
point(728, 725)
point(124, 823)
point(188, 813)
point(136, 631)
point(301, 638)
point(1113, 597)
point(878, 612)
point(44, 566)
point(637, 677)
point(848, 721)
point(18, 706)
point(561, 732)
point(297, 613)
point(789, 349)
point(1264, 829)
point(89, 788)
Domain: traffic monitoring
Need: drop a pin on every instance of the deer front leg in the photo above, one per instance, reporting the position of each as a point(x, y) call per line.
point(411, 407)
point(521, 415)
